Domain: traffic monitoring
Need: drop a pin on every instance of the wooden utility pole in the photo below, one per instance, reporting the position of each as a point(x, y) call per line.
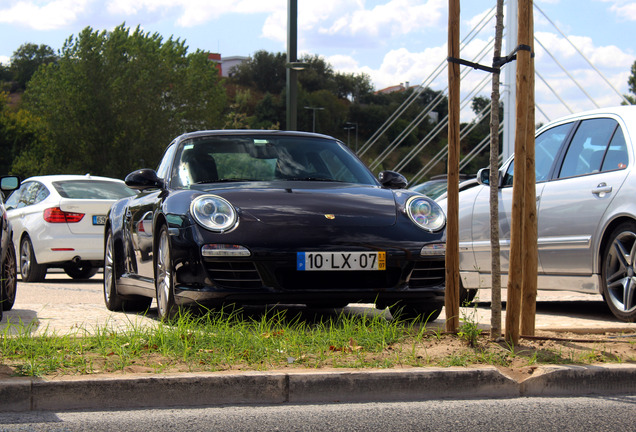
point(519, 270)
point(495, 318)
point(529, 286)
point(452, 201)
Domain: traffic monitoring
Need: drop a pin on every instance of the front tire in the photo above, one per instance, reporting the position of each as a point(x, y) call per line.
point(164, 279)
point(30, 270)
point(9, 279)
point(618, 273)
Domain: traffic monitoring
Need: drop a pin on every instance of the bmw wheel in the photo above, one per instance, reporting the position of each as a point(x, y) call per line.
point(619, 272)
point(164, 281)
point(9, 279)
point(30, 270)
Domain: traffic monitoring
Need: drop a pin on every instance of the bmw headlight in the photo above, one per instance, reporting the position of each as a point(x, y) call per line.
point(425, 213)
point(214, 213)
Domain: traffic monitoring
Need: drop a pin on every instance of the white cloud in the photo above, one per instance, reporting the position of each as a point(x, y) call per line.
point(397, 17)
point(5, 60)
point(52, 15)
point(348, 20)
point(190, 13)
point(625, 11)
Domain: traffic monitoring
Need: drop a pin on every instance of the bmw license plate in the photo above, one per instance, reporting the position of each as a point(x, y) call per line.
point(99, 220)
point(347, 261)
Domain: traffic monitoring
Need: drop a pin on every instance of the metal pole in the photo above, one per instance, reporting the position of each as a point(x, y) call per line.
point(313, 128)
point(292, 53)
point(354, 125)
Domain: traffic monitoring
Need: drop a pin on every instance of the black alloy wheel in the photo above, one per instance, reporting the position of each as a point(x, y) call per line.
point(9, 278)
point(164, 278)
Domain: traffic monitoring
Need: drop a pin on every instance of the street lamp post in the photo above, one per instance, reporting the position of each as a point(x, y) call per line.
point(314, 109)
point(348, 127)
point(292, 53)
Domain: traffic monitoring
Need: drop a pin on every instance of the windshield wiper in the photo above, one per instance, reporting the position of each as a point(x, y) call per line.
point(228, 180)
point(320, 179)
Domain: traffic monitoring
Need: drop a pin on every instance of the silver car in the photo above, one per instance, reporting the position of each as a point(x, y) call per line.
point(586, 204)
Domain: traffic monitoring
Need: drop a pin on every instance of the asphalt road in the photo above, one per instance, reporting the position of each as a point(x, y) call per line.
point(599, 414)
point(62, 305)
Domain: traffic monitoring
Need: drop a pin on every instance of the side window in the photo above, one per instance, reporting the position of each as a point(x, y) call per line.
point(547, 146)
point(546, 149)
point(616, 156)
point(41, 194)
point(14, 201)
point(587, 149)
point(31, 194)
point(166, 162)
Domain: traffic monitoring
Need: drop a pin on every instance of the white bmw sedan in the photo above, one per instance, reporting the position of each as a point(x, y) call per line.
point(586, 208)
point(58, 221)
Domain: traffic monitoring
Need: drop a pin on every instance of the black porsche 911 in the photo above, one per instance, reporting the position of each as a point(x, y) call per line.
point(267, 217)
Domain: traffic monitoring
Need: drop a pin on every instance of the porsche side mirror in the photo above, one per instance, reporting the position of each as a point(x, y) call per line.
point(392, 180)
point(144, 179)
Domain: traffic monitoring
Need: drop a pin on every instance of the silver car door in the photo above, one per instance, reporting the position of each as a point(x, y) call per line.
point(548, 145)
point(572, 205)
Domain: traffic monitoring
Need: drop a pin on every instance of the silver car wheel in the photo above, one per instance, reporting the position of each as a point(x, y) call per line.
point(25, 257)
point(30, 270)
point(620, 273)
point(164, 276)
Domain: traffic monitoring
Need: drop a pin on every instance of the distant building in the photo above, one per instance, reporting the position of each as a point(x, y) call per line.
point(225, 64)
point(398, 88)
point(229, 63)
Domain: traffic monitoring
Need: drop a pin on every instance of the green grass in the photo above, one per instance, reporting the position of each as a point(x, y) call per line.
point(236, 340)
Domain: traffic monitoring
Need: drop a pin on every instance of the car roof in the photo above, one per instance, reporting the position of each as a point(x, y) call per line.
point(626, 112)
point(66, 177)
point(243, 132)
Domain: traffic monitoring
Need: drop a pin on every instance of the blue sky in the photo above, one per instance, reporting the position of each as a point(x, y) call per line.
point(394, 41)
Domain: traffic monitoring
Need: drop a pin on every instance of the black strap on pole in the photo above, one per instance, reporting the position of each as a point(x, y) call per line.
point(497, 62)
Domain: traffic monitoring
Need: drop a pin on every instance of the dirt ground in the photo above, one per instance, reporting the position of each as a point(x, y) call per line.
point(518, 362)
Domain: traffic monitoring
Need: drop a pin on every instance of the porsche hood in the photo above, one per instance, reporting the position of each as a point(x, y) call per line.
point(333, 206)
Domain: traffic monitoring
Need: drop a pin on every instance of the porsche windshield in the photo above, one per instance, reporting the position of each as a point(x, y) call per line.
point(224, 158)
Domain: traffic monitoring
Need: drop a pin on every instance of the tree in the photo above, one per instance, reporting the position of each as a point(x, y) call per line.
point(114, 100)
point(264, 71)
point(631, 82)
point(27, 59)
point(18, 129)
point(495, 266)
point(353, 86)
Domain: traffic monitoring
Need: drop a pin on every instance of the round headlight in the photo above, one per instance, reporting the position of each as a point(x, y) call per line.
point(425, 213)
point(214, 213)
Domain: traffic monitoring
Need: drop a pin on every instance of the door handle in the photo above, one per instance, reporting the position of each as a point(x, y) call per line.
point(602, 189)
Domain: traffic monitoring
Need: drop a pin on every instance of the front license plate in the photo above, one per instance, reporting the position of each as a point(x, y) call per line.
point(99, 220)
point(347, 261)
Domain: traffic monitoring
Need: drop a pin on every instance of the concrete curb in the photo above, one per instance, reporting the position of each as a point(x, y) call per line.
point(24, 394)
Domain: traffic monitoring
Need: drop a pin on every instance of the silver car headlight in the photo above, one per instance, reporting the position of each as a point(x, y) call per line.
point(425, 213)
point(213, 213)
